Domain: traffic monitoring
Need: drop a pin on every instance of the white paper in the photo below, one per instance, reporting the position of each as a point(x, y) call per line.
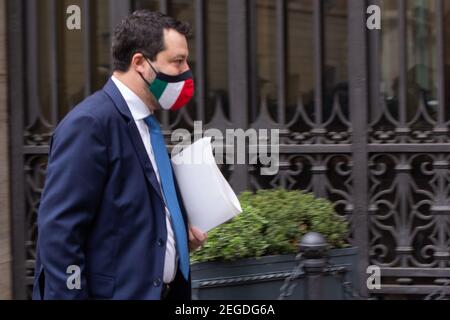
point(208, 198)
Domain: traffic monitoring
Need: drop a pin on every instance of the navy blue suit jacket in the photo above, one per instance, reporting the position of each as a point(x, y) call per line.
point(101, 209)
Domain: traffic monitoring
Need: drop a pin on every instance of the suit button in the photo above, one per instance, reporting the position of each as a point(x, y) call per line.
point(160, 242)
point(157, 282)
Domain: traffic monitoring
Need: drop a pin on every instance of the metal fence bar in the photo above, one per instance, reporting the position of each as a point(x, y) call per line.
point(16, 102)
point(238, 79)
point(441, 126)
point(281, 59)
point(375, 69)
point(118, 9)
point(164, 6)
point(318, 61)
point(318, 170)
point(32, 61)
point(165, 119)
point(253, 60)
point(87, 47)
point(358, 96)
point(33, 105)
point(402, 37)
point(54, 66)
point(200, 59)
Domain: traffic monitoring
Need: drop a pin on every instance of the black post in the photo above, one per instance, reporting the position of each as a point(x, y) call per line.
point(313, 248)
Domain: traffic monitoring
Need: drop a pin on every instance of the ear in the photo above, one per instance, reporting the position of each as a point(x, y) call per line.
point(138, 62)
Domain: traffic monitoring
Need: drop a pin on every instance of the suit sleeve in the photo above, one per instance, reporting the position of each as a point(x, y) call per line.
point(76, 174)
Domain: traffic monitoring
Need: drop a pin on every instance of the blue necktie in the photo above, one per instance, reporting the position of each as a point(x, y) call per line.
point(168, 187)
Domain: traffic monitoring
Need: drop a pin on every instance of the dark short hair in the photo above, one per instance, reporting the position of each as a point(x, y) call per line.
point(142, 31)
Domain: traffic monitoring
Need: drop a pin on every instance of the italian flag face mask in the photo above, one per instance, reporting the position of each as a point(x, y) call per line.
point(172, 92)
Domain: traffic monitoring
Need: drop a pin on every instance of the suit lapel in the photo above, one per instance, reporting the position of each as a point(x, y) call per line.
point(143, 157)
point(119, 102)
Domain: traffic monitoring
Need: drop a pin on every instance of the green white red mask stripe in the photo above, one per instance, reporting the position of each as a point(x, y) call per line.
point(173, 92)
point(172, 95)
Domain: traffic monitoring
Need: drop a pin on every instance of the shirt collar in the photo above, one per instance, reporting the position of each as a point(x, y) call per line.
point(138, 108)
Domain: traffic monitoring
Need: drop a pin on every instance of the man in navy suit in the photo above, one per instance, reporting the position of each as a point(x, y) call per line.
point(111, 221)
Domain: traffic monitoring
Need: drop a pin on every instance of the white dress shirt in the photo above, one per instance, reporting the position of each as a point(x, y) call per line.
point(140, 111)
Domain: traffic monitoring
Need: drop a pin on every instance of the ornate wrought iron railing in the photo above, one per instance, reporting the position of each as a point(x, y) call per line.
point(381, 155)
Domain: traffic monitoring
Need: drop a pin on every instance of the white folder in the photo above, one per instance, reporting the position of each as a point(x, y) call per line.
point(208, 198)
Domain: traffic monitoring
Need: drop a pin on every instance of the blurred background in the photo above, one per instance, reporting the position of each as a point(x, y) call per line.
point(364, 114)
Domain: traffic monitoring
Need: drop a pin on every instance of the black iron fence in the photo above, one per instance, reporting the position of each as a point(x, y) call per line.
point(313, 264)
point(361, 122)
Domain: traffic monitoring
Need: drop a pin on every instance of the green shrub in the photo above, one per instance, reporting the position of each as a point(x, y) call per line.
point(272, 222)
point(238, 238)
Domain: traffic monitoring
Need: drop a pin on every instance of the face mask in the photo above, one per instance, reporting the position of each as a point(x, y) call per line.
point(172, 92)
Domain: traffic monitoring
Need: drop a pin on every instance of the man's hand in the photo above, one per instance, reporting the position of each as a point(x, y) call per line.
point(196, 238)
